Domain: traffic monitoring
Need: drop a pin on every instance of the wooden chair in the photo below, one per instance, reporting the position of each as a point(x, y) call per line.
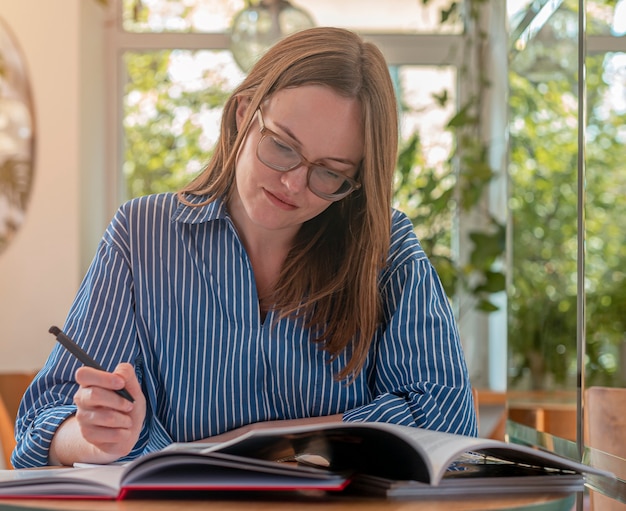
point(605, 429)
point(7, 438)
point(491, 411)
point(12, 387)
point(552, 412)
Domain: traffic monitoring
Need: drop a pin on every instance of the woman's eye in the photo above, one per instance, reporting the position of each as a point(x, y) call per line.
point(329, 174)
point(282, 147)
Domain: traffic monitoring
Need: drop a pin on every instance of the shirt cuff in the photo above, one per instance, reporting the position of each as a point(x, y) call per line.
point(34, 445)
point(385, 408)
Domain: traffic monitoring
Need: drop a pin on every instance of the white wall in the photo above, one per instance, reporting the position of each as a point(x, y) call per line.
point(40, 271)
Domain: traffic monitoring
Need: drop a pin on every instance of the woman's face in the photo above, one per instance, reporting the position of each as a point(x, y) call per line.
point(324, 127)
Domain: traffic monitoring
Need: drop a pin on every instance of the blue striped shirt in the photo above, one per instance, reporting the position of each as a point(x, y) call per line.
point(171, 290)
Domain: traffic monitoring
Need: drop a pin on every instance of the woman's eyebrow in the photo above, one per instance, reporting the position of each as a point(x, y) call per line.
point(287, 131)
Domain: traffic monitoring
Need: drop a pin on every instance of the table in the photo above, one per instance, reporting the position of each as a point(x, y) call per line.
point(528, 503)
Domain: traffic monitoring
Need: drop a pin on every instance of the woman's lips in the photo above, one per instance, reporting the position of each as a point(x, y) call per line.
point(279, 201)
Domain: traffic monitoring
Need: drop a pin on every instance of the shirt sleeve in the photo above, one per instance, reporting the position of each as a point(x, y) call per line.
point(101, 321)
point(417, 371)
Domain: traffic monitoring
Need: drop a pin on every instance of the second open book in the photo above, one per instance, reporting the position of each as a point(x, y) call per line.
point(378, 458)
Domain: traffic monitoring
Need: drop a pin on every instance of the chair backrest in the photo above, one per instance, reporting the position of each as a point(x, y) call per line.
point(12, 387)
point(605, 429)
point(7, 437)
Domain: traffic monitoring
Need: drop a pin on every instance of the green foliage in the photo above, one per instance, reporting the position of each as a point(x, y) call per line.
point(433, 197)
point(426, 196)
point(544, 205)
point(166, 144)
point(543, 168)
point(544, 208)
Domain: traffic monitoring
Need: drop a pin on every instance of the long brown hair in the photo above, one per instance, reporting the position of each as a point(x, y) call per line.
point(330, 275)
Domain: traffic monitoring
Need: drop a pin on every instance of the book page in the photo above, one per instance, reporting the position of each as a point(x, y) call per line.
point(386, 450)
point(102, 481)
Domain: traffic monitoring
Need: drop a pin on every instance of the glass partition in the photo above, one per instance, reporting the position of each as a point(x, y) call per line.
point(602, 490)
point(543, 206)
point(605, 234)
point(544, 198)
point(567, 328)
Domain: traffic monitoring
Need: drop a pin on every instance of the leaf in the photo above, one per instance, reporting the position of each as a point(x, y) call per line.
point(449, 13)
point(463, 118)
point(486, 306)
point(441, 99)
point(487, 247)
point(494, 282)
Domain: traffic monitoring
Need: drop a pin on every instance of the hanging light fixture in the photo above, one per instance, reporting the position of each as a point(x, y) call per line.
point(259, 26)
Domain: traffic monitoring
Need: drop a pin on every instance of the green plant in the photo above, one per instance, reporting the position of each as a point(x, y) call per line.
point(166, 140)
point(544, 209)
point(433, 196)
point(542, 310)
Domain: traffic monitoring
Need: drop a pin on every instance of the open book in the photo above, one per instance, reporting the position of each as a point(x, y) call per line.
point(384, 459)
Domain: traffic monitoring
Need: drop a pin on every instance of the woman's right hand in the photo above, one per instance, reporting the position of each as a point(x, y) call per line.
point(106, 426)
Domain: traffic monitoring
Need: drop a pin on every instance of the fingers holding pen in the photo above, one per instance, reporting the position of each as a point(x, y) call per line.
point(106, 419)
point(96, 387)
point(110, 411)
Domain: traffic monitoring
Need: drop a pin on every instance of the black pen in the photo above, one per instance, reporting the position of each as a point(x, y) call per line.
point(82, 355)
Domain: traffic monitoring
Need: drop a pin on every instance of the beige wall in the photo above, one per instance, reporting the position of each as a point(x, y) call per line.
point(62, 41)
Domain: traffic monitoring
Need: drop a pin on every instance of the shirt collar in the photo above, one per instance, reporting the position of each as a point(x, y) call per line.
point(190, 214)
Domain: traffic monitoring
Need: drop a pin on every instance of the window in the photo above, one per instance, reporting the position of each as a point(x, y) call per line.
point(177, 81)
point(172, 105)
point(544, 134)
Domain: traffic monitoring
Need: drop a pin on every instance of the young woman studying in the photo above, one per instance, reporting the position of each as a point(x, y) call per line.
point(279, 287)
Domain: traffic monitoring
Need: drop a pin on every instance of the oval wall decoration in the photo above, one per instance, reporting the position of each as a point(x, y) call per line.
point(17, 137)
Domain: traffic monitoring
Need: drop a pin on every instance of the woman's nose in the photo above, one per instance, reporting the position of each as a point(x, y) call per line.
point(295, 180)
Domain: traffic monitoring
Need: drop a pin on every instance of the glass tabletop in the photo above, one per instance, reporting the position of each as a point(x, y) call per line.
point(613, 488)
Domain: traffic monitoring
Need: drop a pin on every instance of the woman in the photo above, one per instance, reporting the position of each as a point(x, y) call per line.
point(278, 286)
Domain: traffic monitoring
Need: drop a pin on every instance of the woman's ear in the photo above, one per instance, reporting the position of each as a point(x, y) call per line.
point(242, 108)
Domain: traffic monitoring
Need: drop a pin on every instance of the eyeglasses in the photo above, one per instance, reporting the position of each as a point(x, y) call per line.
point(279, 155)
